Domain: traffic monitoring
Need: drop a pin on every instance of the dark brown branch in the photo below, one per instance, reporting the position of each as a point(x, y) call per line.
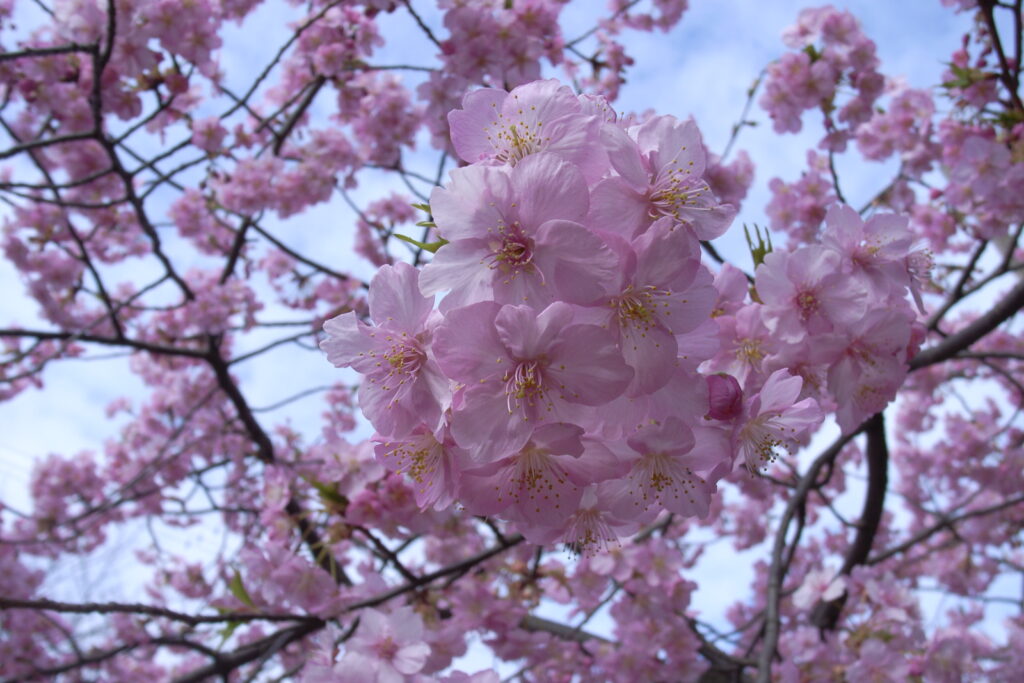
point(106, 341)
point(456, 568)
point(143, 219)
point(33, 52)
point(46, 142)
point(825, 615)
point(958, 290)
point(236, 251)
point(961, 340)
point(532, 622)
point(423, 26)
point(281, 136)
point(1007, 75)
point(242, 101)
point(944, 523)
point(724, 667)
point(777, 572)
point(149, 610)
point(224, 664)
point(299, 257)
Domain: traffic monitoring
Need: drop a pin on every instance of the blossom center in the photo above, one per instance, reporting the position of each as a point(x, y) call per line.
point(515, 142)
point(762, 444)
point(536, 471)
point(638, 308)
point(589, 533)
point(675, 193)
point(749, 350)
point(404, 358)
point(399, 364)
point(807, 303)
point(512, 251)
point(418, 461)
point(524, 386)
point(387, 649)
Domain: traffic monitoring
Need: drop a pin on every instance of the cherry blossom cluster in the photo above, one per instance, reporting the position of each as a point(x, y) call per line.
point(832, 51)
point(838, 314)
point(557, 384)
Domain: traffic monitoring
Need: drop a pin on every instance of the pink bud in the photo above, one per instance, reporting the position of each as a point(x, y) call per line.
point(724, 396)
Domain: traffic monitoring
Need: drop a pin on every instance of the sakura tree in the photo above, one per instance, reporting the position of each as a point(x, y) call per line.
point(505, 434)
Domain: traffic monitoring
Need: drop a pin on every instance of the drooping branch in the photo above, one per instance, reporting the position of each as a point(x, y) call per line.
point(224, 664)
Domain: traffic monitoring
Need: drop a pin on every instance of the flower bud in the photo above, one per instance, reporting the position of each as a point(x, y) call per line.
point(724, 396)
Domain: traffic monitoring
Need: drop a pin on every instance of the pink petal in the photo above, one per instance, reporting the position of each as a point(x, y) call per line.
point(581, 263)
point(470, 125)
point(395, 297)
point(588, 367)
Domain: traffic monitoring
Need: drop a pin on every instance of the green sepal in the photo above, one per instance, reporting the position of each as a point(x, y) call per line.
point(762, 248)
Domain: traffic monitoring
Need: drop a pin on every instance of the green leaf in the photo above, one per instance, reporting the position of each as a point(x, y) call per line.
point(329, 493)
point(965, 77)
point(227, 631)
point(237, 589)
point(432, 247)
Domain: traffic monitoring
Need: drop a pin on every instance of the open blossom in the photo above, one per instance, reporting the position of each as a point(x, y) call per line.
point(877, 249)
point(403, 385)
point(386, 648)
point(746, 342)
point(819, 584)
point(514, 237)
point(522, 368)
point(430, 464)
point(872, 367)
point(666, 473)
point(592, 528)
point(661, 166)
point(543, 482)
point(498, 127)
point(660, 290)
point(805, 293)
point(775, 420)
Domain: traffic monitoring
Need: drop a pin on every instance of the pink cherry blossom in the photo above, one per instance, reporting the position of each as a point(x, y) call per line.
point(505, 127)
point(664, 474)
point(661, 166)
point(521, 369)
point(660, 291)
point(403, 384)
point(514, 237)
point(385, 648)
point(773, 419)
point(805, 293)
